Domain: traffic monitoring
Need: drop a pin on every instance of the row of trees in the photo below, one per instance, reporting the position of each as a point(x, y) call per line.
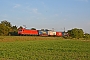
point(78, 33)
point(6, 29)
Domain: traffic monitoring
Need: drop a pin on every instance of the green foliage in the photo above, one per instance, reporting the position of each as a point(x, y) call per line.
point(6, 23)
point(87, 36)
point(7, 29)
point(33, 28)
point(20, 27)
point(13, 31)
point(42, 29)
point(45, 50)
point(4, 30)
point(76, 33)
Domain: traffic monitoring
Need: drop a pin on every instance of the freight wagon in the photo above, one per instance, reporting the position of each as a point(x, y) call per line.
point(51, 33)
point(59, 34)
point(42, 33)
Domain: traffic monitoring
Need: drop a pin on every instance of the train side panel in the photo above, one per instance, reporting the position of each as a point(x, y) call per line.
point(51, 33)
point(27, 32)
point(42, 33)
point(59, 34)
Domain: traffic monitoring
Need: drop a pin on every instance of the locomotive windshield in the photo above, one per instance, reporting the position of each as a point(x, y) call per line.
point(20, 30)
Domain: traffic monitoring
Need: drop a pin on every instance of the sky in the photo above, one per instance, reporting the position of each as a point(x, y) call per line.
point(47, 14)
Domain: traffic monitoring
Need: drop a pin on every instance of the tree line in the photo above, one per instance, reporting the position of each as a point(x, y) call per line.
point(78, 33)
point(6, 29)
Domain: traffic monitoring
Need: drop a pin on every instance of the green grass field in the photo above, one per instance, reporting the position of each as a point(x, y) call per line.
point(43, 48)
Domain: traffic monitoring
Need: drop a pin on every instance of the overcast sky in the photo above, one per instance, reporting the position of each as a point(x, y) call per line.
point(48, 14)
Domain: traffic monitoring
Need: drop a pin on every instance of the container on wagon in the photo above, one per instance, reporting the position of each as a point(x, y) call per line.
point(43, 33)
point(59, 34)
point(51, 33)
point(65, 34)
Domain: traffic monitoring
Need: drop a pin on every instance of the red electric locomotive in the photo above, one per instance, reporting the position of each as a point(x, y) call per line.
point(27, 32)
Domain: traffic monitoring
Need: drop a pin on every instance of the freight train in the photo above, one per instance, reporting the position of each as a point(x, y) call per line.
point(24, 31)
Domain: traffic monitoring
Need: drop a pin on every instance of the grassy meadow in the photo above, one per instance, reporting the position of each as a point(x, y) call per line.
point(43, 48)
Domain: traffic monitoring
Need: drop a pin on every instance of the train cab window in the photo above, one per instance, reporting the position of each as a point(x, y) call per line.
point(20, 30)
